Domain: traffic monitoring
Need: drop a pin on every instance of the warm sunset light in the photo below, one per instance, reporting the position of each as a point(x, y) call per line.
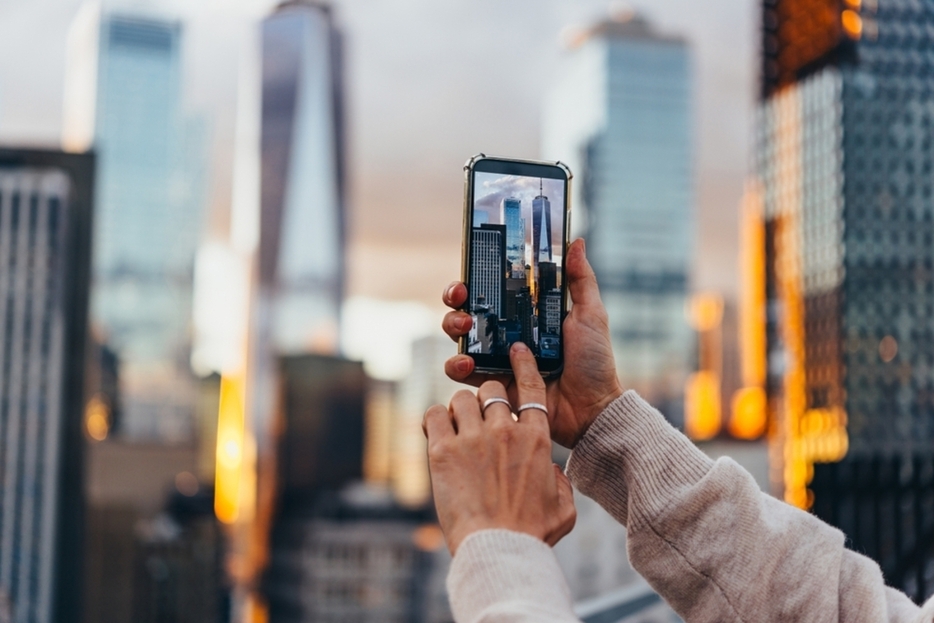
point(230, 449)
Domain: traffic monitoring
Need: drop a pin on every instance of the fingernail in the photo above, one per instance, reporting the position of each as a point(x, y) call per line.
point(449, 291)
point(463, 323)
point(519, 347)
point(463, 365)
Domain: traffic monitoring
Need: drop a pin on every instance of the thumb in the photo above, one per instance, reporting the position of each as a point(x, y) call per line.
point(567, 513)
point(582, 282)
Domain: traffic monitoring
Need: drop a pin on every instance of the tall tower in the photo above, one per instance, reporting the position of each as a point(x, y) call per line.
point(843, 163)
point(45, 255)
point(302, 228)
point(122, 95)
point(541, 230)
point(511, 217)
point(620, 116)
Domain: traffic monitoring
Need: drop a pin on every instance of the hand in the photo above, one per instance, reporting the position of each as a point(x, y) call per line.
point(489, 471)
point(588, 382)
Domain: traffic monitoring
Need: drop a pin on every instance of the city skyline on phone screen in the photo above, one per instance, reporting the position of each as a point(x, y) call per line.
point(516, 264)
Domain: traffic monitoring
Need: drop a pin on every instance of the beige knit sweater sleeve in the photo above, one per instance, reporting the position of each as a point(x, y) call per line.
point(701, 533)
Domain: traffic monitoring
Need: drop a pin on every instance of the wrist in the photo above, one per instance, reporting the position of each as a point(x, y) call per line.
point(461, 533)
point(596, 409)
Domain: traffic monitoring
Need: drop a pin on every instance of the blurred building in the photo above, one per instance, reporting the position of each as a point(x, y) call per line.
point(620, 116)
point(425, 385)
point(355, 556)
point(844, 188)
point(45, 236)
point(122, 95)
point(179, 574)
point(302, 230)
point(340, 550)
point(128, 484)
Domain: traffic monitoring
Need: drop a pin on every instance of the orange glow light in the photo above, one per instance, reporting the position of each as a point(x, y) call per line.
point(97, 419)
point(230, 450)
point(852, 23)
point(749, 409)
point(702, 417)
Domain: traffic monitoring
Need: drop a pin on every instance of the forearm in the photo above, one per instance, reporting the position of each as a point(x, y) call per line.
point(507, 577)
point(709, 541)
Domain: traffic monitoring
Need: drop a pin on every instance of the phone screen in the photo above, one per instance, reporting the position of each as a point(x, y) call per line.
point(515, 260)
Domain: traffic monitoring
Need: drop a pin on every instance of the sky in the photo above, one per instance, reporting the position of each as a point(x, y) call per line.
point(492, 188)
point(429, 83)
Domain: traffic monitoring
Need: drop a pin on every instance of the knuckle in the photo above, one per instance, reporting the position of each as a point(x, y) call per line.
point(532, 382)
point(493, 388)
point(503, 430)
point(462, 395)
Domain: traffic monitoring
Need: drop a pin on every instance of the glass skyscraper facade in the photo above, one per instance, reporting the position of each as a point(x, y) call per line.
point(302, 239)
point(844, 162)
point(45, 222)
point(123, 96)
point(515, 237)
point(620, 116)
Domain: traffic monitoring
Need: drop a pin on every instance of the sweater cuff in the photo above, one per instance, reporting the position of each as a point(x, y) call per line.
point(494, 567)
point(633, 462)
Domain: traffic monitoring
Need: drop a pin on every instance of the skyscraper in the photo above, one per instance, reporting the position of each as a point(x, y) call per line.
point(541, 231)
point(45, 237)
point(122, 95)
point(844, 166)
point(511, 217)
point(488, 268)
point(302, 230)
point(620, 116)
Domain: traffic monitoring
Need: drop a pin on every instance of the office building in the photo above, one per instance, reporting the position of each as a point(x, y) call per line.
point(845, 197)
point(356, 556)
point(620, 116)
point(45, 236)
point(511, 217)
point(323, 400)
point(547, 277)
point(302, 221)
point(122, 95)
point(541, 231)
point(551, 319)
point(488, 268)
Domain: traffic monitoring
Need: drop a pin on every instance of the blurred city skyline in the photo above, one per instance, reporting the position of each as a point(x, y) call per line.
point(411, 123)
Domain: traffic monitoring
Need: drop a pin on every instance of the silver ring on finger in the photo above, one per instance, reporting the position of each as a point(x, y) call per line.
point(494, 400)
point(532, 405)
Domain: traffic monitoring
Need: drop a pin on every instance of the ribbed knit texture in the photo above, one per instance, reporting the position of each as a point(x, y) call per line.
point(498, 573)
point(701, 533)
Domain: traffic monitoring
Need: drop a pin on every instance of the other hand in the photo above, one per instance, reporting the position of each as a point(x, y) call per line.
point(490, 471)
point(588, 382)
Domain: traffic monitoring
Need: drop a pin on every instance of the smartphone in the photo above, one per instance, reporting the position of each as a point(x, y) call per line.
point(516, 224)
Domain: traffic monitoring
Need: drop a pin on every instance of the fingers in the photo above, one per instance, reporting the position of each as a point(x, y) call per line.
point(460, 368)
point(437, 424)
point(530, 385)
point(498, 411)
point(455, 295)
point(582, 282)
point(466, 412)
point(456, 324)
point(567, 513)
